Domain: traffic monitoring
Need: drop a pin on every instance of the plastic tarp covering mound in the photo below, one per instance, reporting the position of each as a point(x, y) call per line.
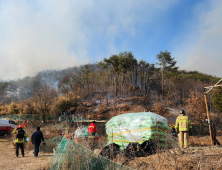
point(137, 127)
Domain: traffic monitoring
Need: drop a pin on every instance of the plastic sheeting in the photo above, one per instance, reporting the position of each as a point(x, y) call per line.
point(137, 127)
point(82, 132)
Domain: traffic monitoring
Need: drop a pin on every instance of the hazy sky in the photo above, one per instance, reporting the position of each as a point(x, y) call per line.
point(56, 34)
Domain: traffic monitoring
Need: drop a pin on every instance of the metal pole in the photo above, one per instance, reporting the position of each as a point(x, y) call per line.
point(205, 97)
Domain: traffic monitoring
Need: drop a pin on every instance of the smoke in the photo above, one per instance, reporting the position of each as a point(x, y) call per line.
point(201, 49)
point(53, 34)
point(33, 39)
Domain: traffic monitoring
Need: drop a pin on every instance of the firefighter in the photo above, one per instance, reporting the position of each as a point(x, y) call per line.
point(20, 140)
point(183, 126)
point(213, 131)
point(91, 134)
point(62, 133)
point(25, 124)
point(68, 136)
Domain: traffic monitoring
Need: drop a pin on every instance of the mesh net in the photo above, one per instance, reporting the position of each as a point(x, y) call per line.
point(48, 117)
point(32, 117)
point(50, 144)
point(70, 155)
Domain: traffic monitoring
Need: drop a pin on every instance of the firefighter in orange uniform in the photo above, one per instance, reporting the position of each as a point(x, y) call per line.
point(91, 134)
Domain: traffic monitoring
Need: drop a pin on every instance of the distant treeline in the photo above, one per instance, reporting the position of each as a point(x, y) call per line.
point(118, 76)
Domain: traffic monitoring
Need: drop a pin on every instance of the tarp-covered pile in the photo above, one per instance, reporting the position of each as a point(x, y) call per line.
point(137, 127)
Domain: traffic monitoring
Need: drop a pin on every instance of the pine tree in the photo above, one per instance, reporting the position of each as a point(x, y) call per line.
point(168, 64)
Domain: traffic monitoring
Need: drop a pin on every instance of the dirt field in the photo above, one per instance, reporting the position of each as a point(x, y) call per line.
point(8, 160)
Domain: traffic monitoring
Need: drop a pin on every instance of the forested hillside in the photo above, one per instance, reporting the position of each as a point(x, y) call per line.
point(119, 76)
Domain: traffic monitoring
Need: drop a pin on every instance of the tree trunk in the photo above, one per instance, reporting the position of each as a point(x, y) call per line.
point(136, 78)
point(115, 81)
point(43, 117)
point(168, 91)
point(162, 78)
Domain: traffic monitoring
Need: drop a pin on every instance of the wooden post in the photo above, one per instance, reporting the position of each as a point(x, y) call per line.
point(162, 78)
point(205, 96)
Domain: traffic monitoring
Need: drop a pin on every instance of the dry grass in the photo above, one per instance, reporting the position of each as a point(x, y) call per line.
point(160, 109)
point(202, 140)
point(177, 159)
point(169, 159)
point(208, 158)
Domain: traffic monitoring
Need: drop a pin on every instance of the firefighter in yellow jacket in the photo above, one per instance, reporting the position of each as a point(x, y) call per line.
point(20, 140)
point(183, 126)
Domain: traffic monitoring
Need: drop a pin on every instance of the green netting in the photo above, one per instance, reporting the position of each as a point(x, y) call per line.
point(77, 118)
point(70, 155)
point(48, 117)
point(32, 117)
point(50, 144)
point(137, 127)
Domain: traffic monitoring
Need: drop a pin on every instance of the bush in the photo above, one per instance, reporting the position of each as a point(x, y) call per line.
point(102, 108)
point(197, 105)
point(160, 109)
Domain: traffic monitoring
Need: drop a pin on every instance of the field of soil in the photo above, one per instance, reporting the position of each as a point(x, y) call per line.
point(10, 162)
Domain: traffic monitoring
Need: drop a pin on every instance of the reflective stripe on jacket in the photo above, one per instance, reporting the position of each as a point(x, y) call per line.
point(92, 128)
point(18, 140)
point(182, 123)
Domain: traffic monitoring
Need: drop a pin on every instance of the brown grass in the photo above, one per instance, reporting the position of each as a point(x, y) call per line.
point(176, 159)
point(160, 109)
point(202, 141)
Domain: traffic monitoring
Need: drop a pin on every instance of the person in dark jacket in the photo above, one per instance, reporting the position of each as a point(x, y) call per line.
point(213, 131)
point(37, 138)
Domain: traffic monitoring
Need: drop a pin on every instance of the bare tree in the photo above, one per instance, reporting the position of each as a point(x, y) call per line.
point(44, 97)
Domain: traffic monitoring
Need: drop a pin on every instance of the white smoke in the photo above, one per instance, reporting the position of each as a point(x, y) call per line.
point(52, 34)
point(201, 49)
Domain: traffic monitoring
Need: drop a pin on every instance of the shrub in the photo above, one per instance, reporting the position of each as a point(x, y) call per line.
point(160, 109)
point(197, 105)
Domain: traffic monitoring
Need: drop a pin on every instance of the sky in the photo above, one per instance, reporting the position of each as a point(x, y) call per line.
point(56, 34)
